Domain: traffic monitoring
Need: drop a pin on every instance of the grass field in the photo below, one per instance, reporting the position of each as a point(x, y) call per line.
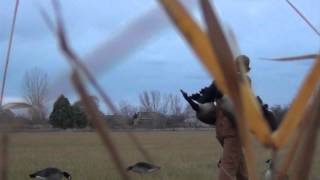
point(185, 155)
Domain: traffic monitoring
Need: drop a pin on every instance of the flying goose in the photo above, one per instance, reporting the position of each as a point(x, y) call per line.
point(50, 174)
point(143, 167)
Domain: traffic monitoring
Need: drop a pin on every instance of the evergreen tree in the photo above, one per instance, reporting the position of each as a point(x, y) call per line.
point(62, 114)
point(79, 116)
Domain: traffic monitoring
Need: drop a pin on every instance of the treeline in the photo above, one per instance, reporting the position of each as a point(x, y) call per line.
point(163, 110)
point(154, 110)
point(154, 101)
point(64, 115)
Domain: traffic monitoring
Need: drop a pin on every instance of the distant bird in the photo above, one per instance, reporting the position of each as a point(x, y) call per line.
point(50, 174)
point(143, 167)
point(269, 173)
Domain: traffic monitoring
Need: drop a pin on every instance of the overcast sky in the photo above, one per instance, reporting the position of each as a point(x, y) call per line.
point(149, 51)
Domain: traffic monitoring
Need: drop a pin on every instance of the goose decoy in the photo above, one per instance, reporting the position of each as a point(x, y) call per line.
point(143, 167)
point(269, 173)
point(50, 174)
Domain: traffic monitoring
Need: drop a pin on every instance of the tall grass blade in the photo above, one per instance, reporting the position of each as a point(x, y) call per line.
point(252, 113)
point(76, 62)
point(196, 38)
point(294, 58)
point(297, 141)
point(5, 70)
point(295, 113)
point(225, 59)
point(305, 156)
point(304, 18)
point(4, 136)
point(99, 124)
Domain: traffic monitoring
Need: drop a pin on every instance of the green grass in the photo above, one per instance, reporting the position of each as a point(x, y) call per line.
point(182, 155)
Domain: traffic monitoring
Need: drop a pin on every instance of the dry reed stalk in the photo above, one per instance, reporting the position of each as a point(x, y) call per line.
point(221, 48)
point(4, 136)
point(304, 18)
point(100, 125)
point(76, 62)
point(196, 38)
point(227, 64)
point(306, 152)
point(13, 25)
point(295, 113)
point(297, 141)
point(226, 61)
point(201, 44)
point(292, 58)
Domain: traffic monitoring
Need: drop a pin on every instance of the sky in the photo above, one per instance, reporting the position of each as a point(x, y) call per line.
point(132, 46)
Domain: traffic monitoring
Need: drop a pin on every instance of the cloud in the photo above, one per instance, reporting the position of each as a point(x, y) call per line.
point(149, 51)
point(123, 43)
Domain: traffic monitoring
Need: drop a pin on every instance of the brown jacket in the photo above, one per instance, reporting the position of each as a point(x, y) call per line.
point(232, 163)
point(224, 127)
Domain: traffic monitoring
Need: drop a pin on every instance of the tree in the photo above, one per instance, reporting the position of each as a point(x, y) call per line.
point(35, 89)
point(153, 101)
point(62, 114)
point(127, 109)
point(189, 112)
point(149, 101)
point(79, 117)
point(175, 105)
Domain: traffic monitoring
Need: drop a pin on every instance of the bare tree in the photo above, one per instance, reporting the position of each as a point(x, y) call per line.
point(189, 112)
point(154, 101)
point(150, 101)
point(145, 102)
point(35, 89)
point(81, 105)
point(127, 109)
point(164, 105)
point(175, 104)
